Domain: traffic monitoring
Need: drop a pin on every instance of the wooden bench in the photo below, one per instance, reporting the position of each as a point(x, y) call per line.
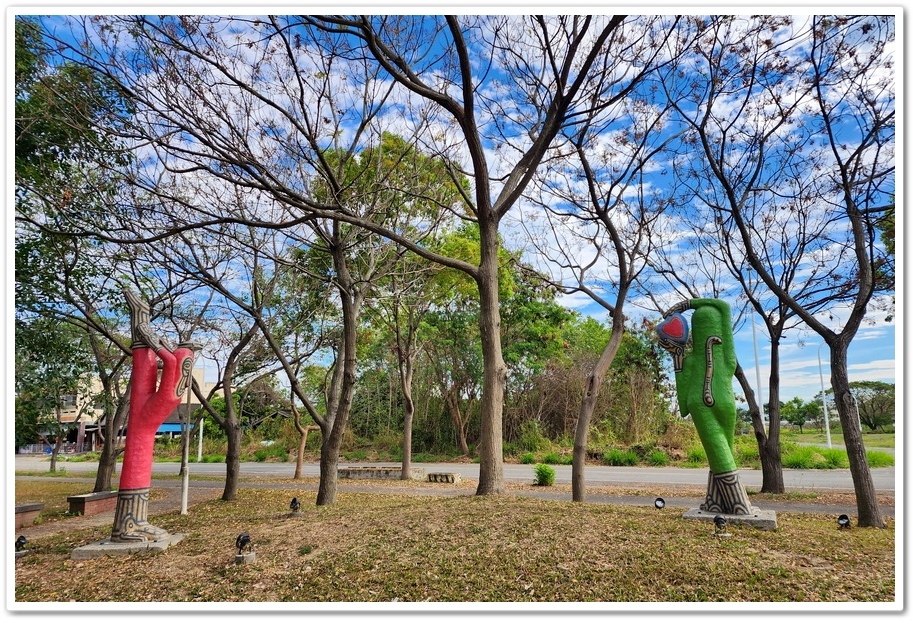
point(92, 503)
point(26, 514)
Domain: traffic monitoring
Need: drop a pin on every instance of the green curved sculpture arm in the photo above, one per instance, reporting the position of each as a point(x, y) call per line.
point(704, 381)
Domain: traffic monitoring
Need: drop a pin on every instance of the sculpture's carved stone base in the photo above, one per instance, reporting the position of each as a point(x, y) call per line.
point(107, 548)
point(724, 494)
point(130, 523)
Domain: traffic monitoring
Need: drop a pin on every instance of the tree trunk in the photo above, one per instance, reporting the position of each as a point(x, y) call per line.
point(330, 451)
point(767, 447)
point(303, 437)
point(587, 409)
point(454, 409)
point(490, 448)
point(866, 498)
point(108, 458)
point(407, 441)
point(233, 455)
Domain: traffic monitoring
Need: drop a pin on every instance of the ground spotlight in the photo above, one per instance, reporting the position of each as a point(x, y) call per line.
point(721, 524)
point(659, 503)
point(242, 542)
point(843, 522)
point(20, 543)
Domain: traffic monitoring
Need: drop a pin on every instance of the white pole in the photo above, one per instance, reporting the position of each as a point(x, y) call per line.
point(824, 397)
point(185, 442)
point(756, 356)
point(757, 365)
point(200, 441)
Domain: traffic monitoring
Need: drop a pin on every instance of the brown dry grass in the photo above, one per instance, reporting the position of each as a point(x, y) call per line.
point(383, 547)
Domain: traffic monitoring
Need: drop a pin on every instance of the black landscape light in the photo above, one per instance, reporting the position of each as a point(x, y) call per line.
point(20, 543)
point(294, 505)
point(721, 523)
point(242, 542)
point(843, 522)
point(659, 503)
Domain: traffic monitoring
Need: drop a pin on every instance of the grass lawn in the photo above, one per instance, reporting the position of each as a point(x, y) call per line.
point(375, 547)
point(869, 440)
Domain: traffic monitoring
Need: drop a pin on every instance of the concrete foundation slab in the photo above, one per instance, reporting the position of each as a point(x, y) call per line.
point(763, 519)
point(99, 549)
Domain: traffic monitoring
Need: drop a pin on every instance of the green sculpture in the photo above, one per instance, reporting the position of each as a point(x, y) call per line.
point(704, 364)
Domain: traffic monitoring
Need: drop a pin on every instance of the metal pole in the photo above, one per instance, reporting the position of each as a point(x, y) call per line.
point(756, 356)
point(824, 397)
point(200, 441)
point(757, 365)
point(185, 442)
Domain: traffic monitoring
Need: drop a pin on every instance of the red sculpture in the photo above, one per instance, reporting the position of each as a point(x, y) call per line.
point(153, 397)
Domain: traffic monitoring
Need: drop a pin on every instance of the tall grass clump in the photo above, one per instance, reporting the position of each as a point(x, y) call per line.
point(696, 456)
point(745, 452)
point(807, 457)
point(618, 458)
point(276, 452)
point(877, 458)
point(657, 458)
point(555, 458)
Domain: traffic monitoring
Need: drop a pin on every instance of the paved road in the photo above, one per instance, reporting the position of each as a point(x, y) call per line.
point(795, 479)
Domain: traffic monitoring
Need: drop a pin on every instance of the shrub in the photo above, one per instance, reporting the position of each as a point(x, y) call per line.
point(527, 458)
point(544, 475)
point(617, 457)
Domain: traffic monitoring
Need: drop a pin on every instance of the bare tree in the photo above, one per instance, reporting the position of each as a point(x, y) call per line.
point(793, 188)
point(257, 104)
point(603, 215)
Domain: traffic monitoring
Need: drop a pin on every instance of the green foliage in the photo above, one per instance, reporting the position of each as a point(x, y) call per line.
point(658, 458)
point(531, 438)
point(746, 452)
point(617, 457)
point(527, 459)
point(696, 455)
point(876, 401)
point(555, 458)
point(275, 451)
point(544, 475)
point(876, 458)
point(53, 367)
point(809, 457)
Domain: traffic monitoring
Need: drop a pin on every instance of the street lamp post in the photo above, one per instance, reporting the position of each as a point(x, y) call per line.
point(824, 397)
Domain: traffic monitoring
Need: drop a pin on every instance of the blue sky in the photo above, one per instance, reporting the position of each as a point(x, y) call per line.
point(872, 355)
